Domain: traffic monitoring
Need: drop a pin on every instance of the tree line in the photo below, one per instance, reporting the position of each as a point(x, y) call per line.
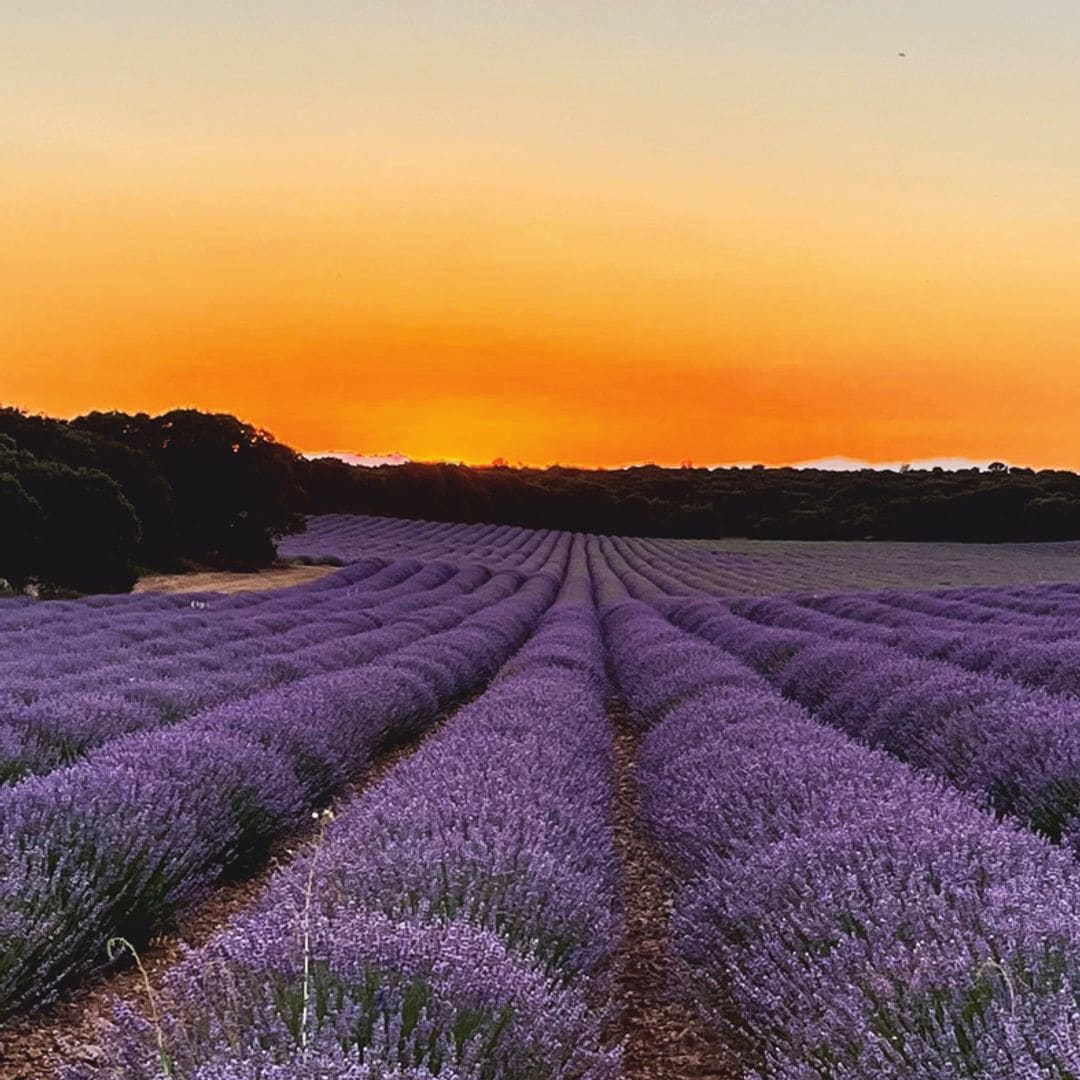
point(994, 504)
point(86, 503)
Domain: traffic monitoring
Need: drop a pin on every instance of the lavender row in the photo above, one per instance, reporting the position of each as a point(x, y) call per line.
point(118, 843)
point(149, 615)
point(841, 916)
point(945, 615)
point(347, 536)
point(42, 731)
point(1053, 666)
point(1018, 748)
point(1032, 607)
point(1037, 651)
point(763, 567)
point(256, 644)
point(205, 638)
point(63, 646)
point(1035, 600)
point(460, 917)
point(96, 622)
point(350, 609)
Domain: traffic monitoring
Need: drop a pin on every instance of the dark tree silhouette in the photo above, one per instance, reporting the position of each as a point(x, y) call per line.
point(83, 502)
point(138, 477)
point(907, 504)
point(235, 488)
point(69, 527)
point(23, 524)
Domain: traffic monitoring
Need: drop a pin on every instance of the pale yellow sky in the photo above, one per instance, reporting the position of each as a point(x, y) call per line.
point(588, 232)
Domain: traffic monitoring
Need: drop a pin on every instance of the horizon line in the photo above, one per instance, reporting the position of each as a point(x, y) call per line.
point(831, 463)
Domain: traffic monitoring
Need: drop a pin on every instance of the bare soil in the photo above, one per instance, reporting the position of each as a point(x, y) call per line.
point(68, 1032)
point(664, 1037)
point(224, 581)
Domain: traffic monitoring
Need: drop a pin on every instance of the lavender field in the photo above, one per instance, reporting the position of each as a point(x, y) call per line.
point(517, 805)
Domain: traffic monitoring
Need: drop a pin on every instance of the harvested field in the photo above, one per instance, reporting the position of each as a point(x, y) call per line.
point(221, 581)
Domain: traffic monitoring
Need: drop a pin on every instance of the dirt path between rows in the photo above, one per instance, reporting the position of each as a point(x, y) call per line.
point(33, 1047)
point(223, 581)
point(664, 1037)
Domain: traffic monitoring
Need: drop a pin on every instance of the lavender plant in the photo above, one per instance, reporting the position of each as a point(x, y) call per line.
point(844, 916)
point(117, 844)
point(459, 918)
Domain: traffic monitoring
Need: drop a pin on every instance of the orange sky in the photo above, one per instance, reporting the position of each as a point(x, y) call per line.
point(587, 232)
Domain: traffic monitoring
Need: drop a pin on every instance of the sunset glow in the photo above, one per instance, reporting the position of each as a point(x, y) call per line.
point(579, 230)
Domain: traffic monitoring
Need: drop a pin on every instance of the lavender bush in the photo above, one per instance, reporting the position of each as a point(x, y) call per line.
point(842, 915)
point(119, 842)
point(1018, 748)
point(60, 721)
point(460, 917)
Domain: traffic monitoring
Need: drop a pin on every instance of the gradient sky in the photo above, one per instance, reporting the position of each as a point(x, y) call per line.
point(587, 231)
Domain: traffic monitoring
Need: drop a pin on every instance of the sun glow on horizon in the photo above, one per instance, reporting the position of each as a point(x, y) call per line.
point(564, 232)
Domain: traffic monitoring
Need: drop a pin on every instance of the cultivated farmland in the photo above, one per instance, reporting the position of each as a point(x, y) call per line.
point(488, 803)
